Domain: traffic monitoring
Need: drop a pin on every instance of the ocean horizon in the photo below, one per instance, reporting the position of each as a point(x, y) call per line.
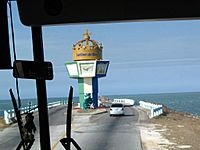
point(188, 102)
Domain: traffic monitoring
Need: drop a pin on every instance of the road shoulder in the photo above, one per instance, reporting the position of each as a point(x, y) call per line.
point(151, 137)
point(174, 131)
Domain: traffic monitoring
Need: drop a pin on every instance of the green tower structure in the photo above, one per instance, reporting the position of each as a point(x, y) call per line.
point(87, 67)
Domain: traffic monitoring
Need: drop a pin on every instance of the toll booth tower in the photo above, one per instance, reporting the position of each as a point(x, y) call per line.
point(87, 66)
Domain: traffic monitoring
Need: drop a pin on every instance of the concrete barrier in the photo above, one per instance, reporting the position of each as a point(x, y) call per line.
point(155, 109)
point(10, 114)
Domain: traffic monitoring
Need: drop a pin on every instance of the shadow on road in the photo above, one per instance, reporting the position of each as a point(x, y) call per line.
point(125, 115)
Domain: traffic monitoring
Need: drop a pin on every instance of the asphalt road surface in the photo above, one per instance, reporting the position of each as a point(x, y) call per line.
point(103, 132)
point(10, 137)
point(96, 132)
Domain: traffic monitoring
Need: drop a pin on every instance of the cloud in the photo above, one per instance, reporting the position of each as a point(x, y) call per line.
point(157, 63)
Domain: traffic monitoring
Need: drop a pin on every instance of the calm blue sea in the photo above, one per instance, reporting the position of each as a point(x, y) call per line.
point(184, 102)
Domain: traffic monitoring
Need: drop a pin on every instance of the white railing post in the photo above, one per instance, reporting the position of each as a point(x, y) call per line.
point(152, 113)
point(12, 114)
point(8, 114)
point(7, 117)
point(155, 109)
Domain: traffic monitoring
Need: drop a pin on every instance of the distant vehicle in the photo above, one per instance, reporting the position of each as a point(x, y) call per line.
point(105, 104)
point(124, 101)
point(116, 109)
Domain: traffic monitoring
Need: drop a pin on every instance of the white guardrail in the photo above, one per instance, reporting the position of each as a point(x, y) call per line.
point(155, 109)
point(10, 114)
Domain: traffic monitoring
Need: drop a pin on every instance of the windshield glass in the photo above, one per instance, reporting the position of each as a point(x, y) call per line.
point(152, 68)
point(116, 105)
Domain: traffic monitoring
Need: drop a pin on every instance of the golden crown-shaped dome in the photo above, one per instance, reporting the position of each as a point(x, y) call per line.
point(87, 49)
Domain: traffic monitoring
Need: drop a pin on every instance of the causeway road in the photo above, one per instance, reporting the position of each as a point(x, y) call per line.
point(102, 132)
point(91, 131)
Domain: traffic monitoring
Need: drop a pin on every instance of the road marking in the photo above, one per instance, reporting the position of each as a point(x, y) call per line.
point(55, 144)
point(61, 137)
point(135, 109)
point(138, 120)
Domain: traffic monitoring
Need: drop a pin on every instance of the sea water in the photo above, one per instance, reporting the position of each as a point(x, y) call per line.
point(184, 102)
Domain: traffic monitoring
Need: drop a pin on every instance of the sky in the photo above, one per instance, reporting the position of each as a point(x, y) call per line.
point(145, 57)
